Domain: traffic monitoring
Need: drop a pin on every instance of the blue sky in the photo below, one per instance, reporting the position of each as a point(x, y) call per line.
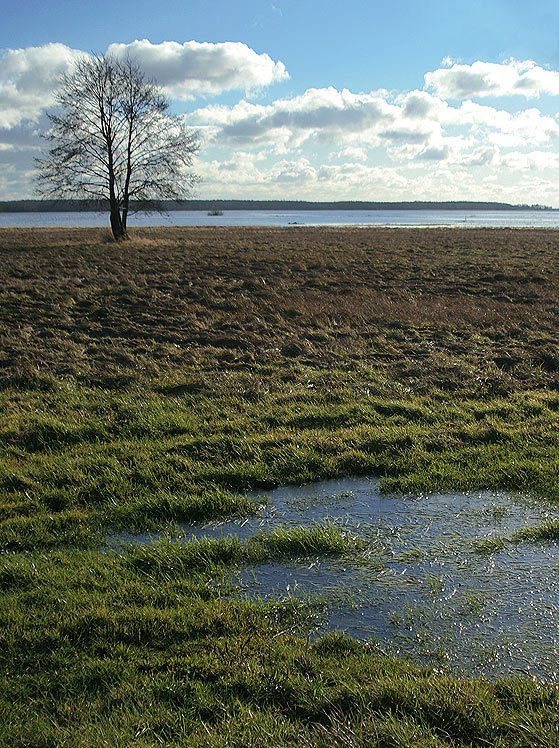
point(325, 100)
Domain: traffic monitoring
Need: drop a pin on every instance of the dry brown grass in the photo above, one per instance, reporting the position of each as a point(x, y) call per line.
point(450, 305)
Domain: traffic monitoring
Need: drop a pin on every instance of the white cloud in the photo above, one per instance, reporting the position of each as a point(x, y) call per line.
point(534, 160)
point(493, 79)
point(240, 169)
point(244, 175)
point(525, 127)
point(405, 133)
point(296, 171)
point(351, 152)
point(16, 176)
point(417, 131)
point(201, 68)
point(324, 115)
point(323, 143)
point(351, 179)
point(434, 152)
point(483, 155)
point(422, 105)
point(28, 79)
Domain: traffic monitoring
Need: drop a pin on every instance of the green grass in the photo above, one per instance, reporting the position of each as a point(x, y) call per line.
point(169, 556)
point(548, 530)
point(96, 649)
point(151, 384)
point(194, 456)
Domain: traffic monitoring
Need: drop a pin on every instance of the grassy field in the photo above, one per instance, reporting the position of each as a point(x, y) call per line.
point(148, 383)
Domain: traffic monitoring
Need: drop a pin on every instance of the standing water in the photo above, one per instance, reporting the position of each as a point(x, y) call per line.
point(421, 589)
point(271, 218)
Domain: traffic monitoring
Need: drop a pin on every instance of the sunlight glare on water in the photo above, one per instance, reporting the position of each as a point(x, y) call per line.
point(395, 218)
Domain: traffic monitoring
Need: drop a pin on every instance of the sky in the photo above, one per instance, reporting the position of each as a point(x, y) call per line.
point(314, 99)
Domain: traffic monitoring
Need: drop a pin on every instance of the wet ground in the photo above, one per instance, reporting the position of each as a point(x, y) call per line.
point(420, 590)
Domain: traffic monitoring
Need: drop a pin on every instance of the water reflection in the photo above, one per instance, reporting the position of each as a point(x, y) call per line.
point(421, 591)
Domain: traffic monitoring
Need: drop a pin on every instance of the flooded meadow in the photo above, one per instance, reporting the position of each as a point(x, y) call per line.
point(436, 579)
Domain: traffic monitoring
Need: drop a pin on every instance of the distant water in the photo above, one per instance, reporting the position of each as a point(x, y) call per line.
point(395, 218)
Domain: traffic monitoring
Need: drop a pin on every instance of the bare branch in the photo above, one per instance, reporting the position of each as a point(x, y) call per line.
point(113, 139)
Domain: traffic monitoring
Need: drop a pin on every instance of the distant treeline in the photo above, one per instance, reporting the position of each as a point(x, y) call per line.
point(50, 206)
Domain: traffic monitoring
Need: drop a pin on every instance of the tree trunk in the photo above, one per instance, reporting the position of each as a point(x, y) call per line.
point(119, 231)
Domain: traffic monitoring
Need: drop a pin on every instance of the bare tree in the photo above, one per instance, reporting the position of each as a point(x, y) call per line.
point(113, 139)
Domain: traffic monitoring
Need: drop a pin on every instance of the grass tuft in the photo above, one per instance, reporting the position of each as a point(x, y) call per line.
point(548, 530)
point(168, 556)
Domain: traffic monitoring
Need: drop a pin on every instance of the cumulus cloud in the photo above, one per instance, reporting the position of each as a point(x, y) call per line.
point(376, 182)
point(421, 105)
point(492, 79)
point(28, 80)
point(324, 143)
point(351, 152)
point(243, 174)
point(481, 156)
point(201, 68)
point(29, 77)
point(417, 128)
point(23, 137)
point(16, 173)
point(325, 115)
point(434, 153)
point(341, 120)
point(529, 124)
point(525, 127)
point(534, 160)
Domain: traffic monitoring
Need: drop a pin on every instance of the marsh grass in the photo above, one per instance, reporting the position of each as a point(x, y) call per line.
point(162, 460)
point(548, 530)
point(453, 309)
point(170, 556)
point(152, 382)
point(95, 648)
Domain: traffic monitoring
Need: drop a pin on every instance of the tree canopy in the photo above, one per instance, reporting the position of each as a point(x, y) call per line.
point(113, 139)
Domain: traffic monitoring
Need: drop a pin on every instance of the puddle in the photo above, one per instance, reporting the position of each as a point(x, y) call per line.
point(422, 592)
